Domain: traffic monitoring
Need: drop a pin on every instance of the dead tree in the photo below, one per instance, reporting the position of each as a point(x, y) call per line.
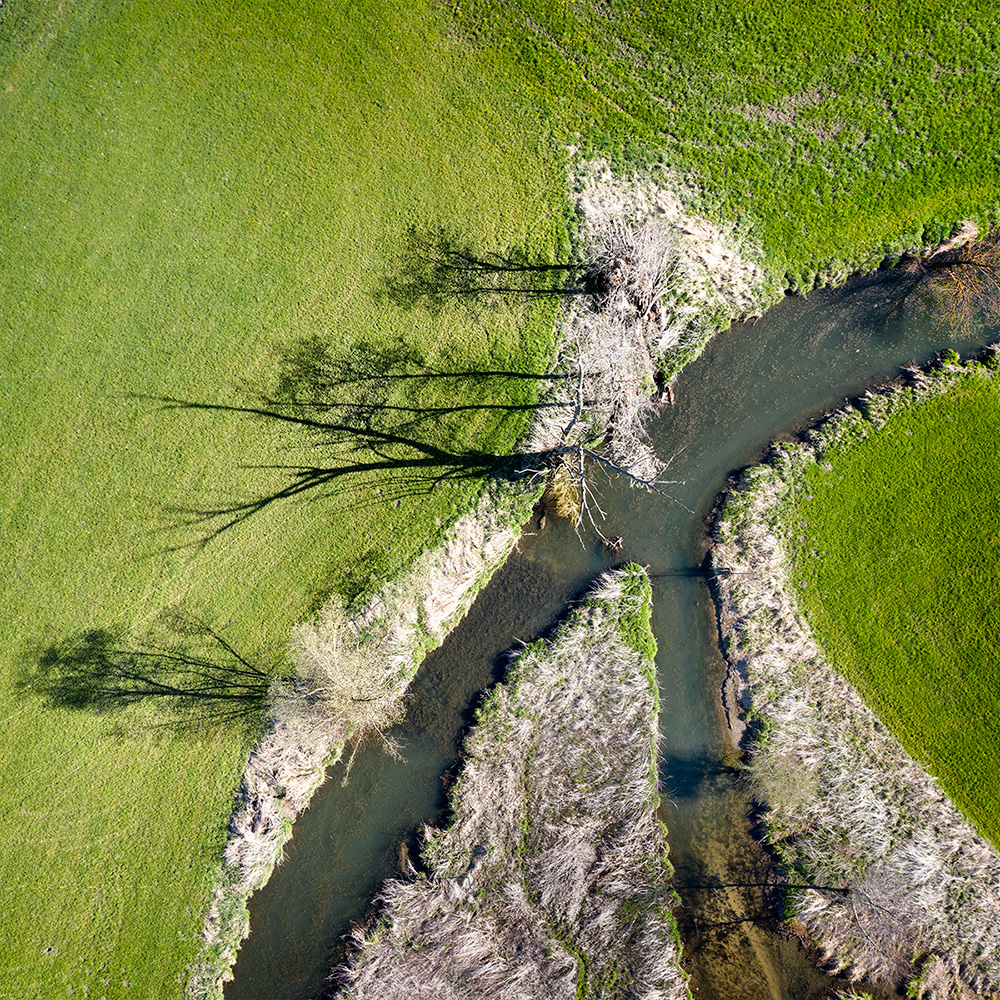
point(610, 384)
point(963, 279)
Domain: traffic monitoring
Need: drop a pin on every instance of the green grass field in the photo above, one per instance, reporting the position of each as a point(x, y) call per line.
point(896, 551)
point(191, 194)
point(188, 193)
point(828, 132)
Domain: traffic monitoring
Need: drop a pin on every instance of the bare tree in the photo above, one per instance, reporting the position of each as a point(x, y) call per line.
point(597, 412)
point(963, 278)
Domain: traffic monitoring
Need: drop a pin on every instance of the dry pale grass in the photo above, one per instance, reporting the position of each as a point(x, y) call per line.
point(899, 873)
point(562, 489)
point(661, 282)
point(551, 880)
point(350, 674)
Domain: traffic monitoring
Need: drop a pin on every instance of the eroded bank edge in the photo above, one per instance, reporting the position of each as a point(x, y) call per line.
point(901, 884)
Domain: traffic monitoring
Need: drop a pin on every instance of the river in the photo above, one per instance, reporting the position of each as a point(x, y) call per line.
point(755, 383)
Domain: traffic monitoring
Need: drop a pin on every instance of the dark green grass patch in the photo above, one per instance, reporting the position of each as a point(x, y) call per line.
point(192, 195)
point(896, 560)
point(831, 132)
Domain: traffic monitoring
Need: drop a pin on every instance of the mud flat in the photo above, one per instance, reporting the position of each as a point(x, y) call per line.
point(552, 878)
point(893, 883)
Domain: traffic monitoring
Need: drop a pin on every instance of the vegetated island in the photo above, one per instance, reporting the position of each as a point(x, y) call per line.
point(878, 534)
point(551, 879)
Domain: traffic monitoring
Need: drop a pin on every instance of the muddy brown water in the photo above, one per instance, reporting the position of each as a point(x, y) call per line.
point(757, 382)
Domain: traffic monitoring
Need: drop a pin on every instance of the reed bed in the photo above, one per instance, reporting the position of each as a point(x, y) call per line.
point(904, 888)
point(661, 280)
point(551, 879)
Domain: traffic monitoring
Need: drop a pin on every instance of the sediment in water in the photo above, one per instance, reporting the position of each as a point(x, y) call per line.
point(902, 886)
point(552, 878)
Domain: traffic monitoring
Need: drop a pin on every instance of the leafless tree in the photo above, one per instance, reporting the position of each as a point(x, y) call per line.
point(963, 278)
point(610, 384)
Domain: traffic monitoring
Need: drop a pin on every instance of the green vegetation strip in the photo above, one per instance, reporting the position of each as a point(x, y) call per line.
point(551, 880)
point(896, 552)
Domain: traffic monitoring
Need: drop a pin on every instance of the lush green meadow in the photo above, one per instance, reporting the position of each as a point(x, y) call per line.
point(193, 194)
point(190, 193)
point(896, 557)
point(828, 132)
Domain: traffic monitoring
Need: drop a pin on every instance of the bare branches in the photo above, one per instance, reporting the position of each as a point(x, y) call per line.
point(962, 278)
point(609, 378)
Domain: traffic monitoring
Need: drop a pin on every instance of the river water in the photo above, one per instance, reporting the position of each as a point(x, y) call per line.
point(755, 383)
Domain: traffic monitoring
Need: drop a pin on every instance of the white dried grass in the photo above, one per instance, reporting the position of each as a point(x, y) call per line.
point(559, 789)
point(662, 280)
point(860, 814)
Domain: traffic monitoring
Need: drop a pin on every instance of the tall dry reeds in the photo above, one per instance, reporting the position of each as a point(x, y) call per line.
point(551, 880)
point(905, 888)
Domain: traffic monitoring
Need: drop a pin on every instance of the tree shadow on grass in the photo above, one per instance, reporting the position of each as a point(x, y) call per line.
point(374, 424)
point(194, 675)
point(438, 266)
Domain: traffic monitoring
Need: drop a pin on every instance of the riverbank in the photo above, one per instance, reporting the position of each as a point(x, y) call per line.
point(342, 659)
point(551, 879)
point(678, 280)
point(683, 278)
point(896, 884)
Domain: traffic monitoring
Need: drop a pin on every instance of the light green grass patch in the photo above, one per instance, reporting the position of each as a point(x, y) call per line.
point(896, 544)
point(189, 193)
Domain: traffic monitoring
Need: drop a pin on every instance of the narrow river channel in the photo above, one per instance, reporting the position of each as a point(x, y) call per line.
point(755, 383)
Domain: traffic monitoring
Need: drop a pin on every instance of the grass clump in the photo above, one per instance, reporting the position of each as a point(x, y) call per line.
point(550, 880)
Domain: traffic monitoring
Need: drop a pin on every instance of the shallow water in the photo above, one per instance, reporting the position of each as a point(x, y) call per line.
point(755, 383)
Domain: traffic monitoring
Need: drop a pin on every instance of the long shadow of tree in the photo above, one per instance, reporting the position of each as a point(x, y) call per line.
point(195, 675)
point(375, 411)
point(438, 265)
